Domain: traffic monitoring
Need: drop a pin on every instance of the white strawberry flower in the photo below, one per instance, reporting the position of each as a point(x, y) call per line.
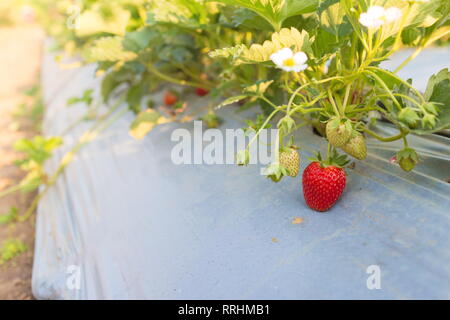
point(377, 16)
point(392, 14)
point(287, 60)
point(373, 18)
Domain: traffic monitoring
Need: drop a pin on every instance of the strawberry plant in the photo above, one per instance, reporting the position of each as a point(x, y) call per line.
point(303, 62)
point(329, 73)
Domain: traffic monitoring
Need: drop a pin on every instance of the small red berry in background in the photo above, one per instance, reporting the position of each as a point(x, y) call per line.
point(170, 98)
point(201, 92)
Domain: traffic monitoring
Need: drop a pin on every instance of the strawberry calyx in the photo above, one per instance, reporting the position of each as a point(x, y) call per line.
point(333, 160)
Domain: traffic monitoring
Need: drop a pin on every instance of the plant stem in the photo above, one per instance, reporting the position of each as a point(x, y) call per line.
point(308, 84)
point(409, 59)
point(347, 94)
point(262, 126)
point(329, 153)
point(385, 139)
point(10, 190)
point(401, 80)
point(330, 96)
point(68, 157)
point(385, 87)
point(177, 81)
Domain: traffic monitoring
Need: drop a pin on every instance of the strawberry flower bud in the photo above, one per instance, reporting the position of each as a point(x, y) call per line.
point(429, 121)
point(286, 124)
point(242, 157)
point(431, 108)
point(408, 116)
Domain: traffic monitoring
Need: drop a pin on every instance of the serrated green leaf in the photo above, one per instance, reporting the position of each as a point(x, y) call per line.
point(438, 93)
point(276, 11)
point(259, 88)
point(92, 21)
point(108, 49)
point(137, 41)
point(9, 217)
point(232, 100)
point(145, 122)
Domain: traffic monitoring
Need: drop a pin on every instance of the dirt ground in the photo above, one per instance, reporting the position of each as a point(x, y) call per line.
point(20, 55)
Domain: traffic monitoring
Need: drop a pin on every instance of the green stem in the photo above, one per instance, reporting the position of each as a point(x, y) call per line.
point(302, 109)
point(10, 190)
point(409, 59)
point(329, 152)
point(347, 95)
point(330, 96)
point(405, 142)
point(177, 81)
point(385, 139)
point(401, 80)
point(404, 97)
point(263, 125)
point(385, 87)
point(291, 100)
point(268, 101)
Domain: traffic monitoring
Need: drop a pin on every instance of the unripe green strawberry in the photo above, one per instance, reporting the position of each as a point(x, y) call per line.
point(356, 146)
point(290, 159)
point(338, 131)
point(407, 159)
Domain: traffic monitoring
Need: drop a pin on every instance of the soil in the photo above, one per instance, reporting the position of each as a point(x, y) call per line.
point(20, 57)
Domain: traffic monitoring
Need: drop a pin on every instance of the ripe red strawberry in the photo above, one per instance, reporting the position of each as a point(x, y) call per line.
point(322, 185)
point(170, 98)
point(201, 92)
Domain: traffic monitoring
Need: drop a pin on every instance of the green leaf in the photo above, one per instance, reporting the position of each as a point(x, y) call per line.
point(108, 49)
point(408, 116)
point(92, 21)
point(245, 18)
point(112, 80)
point(438, 92)
point(137, 41)
point(276, 11)
point(285, 38)
point(259, 88)
point(37, 149)
point(145, 122)
point(9, 217)
point(275, 171)
point(232, 100)
point(10, 249)
point(85, 98)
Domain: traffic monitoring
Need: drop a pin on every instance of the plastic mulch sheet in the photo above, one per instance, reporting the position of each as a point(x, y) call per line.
point(123, 221)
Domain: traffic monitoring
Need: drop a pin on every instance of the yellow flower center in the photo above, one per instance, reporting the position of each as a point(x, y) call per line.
point(289, 62)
